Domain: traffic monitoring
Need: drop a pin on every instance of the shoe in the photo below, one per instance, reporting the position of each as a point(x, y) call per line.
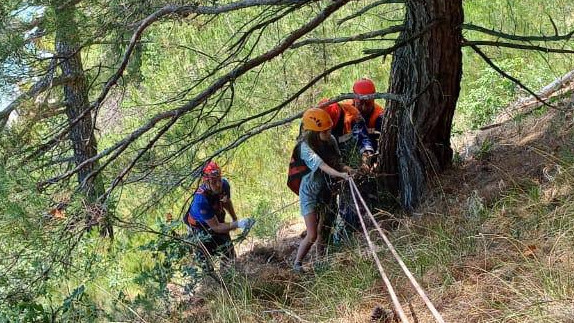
point(298, 268)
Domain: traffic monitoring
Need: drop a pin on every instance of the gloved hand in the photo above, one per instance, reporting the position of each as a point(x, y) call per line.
point(345, 176)
point(246, 223)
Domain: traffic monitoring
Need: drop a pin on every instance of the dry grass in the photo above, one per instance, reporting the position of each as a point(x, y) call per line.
point(492, 243)
point(513, 220)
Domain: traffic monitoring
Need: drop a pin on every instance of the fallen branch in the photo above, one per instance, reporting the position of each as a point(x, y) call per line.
point(556, 88)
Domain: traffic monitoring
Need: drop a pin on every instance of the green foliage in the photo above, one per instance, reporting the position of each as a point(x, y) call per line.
point(167, 250)
point(488, 95)
point(485, 93)
point(54, 269)
point(268, 223)
point(78, 307)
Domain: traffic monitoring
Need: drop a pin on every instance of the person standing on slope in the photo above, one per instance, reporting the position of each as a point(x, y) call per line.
point(321, 155)
point(369, 109)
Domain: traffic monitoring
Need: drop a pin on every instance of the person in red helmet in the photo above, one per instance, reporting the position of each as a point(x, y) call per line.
point(206, 217)
point(350, 130)
point(371, 115)
point(369, 109)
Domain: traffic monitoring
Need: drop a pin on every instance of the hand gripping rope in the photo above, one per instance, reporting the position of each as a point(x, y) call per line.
point(397, 305)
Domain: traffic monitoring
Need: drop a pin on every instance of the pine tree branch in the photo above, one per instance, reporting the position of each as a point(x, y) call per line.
point(359, 37)
point(184, 11)
point(508, 76)
point(367, 8)
point(47, 82)
point(516, 46)
point(141, 27)
point(387, 51)
point(173, 115)
point(517, 37)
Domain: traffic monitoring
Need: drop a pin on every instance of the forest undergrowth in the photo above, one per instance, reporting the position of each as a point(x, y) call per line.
point(491, 243)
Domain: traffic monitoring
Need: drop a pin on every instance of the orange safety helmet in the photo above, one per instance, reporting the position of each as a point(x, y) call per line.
point(364, 86)
point(317, 120)
point(211, 170)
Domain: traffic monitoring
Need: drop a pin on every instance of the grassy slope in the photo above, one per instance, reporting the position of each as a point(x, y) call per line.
point(491, 244)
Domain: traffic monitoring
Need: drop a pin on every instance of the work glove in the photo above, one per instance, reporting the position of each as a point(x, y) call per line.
point(346, 176)
point(246, 223)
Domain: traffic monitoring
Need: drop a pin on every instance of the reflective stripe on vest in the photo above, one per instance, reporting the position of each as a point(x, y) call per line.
point(372, 131)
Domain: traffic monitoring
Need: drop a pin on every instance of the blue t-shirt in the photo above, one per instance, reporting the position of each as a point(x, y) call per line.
point(206, 205)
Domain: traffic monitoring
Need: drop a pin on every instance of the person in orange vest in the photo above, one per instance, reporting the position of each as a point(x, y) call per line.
point(206, 218)
point(371, 120)
point(350, 130)
point(319, 152)
point(369, 109)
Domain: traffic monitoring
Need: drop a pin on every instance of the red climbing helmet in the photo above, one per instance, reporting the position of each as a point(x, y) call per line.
point(364, 86)
point(332, 109)
point(211, 170)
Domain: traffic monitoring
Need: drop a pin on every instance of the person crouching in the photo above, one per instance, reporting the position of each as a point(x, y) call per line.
point(206, 218)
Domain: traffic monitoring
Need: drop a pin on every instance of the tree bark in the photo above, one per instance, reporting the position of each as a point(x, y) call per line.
point(415, 145)
point(76, 102)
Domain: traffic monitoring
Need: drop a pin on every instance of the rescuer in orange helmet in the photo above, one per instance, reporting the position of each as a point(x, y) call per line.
point(318, 151)
point(350, 131)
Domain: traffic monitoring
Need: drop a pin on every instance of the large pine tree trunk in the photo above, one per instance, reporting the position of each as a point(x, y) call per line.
point(415, 145)
point(77, 101)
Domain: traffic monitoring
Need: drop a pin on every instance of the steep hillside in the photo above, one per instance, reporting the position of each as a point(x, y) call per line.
point(492, 243)
point(511, 196)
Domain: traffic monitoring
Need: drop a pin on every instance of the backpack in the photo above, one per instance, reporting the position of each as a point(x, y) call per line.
point(297, 169)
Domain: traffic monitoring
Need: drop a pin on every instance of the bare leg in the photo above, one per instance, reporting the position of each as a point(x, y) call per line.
point(307, 242)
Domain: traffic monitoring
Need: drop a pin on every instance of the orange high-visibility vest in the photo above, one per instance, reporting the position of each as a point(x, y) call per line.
point(372, 122)
point(351, 115)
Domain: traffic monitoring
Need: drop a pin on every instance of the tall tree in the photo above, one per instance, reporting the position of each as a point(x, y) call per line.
point(427, 72)
point(216, 73)
point(68, 52)
point(424, 84)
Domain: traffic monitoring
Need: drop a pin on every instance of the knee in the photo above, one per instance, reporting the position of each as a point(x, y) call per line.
point(311, 237)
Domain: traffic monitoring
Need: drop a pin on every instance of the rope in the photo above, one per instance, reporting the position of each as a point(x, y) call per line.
point(396, 303)
point(395, 254)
